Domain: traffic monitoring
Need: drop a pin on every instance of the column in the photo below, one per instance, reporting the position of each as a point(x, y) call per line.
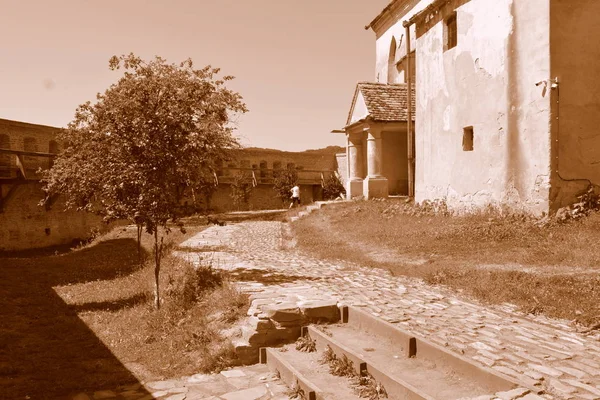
point(355, 181)
point(375, 184)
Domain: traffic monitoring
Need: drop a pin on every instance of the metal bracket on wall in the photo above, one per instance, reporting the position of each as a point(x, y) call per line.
point(5, 197)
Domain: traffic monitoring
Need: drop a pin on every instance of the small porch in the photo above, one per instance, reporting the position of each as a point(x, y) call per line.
point(377, 148)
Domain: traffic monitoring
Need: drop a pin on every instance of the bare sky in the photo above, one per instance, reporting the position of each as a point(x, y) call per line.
point(296, 62)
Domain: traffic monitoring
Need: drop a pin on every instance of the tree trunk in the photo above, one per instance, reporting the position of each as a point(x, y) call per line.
point(157, 257)
point(139, 243)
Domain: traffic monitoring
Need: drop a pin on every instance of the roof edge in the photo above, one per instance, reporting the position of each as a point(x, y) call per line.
point(382, 13)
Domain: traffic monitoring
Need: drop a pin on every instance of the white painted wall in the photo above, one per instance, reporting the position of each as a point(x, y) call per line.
point(488, 82)
point(384, 39)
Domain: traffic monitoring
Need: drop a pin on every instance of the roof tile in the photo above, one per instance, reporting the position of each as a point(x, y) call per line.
point(387, 102)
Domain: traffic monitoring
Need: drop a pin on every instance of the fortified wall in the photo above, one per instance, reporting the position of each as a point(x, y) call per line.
point(312, 166)
point(23, 223)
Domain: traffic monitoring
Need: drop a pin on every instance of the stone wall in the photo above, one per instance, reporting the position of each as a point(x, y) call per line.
point(23, 223)
point(262, 197)
point(16, 135)
point(486, 83)
point(26, 225)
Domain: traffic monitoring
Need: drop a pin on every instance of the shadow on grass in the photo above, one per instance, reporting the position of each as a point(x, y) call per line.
point(46, 351)
point(111, 306)
point(267, 277)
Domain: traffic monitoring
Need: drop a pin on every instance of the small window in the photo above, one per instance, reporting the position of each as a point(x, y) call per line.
point(468, 138)
point(450, 33)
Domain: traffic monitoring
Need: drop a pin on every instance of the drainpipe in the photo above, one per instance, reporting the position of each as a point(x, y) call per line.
point(409, 124)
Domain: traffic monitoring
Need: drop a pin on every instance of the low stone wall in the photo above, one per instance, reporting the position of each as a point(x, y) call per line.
point(26, 225)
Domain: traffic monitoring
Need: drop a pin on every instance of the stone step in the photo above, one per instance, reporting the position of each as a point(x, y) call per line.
point(407, 367)
point(305, 371)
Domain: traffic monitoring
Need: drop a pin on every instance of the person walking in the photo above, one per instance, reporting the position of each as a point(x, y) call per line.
point(295, 196)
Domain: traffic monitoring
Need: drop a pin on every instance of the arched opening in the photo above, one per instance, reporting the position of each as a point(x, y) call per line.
point(52, 149)
point(264, 173)
point(392, 71)
point(31, 163)
point(276, 168)
point(5, 159)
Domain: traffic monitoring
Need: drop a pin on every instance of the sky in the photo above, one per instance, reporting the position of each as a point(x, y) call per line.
point(296, 63)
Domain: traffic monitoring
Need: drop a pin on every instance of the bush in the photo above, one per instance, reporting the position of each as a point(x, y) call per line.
point(285, 180)
point(333, 188)
point(241, 189)
point(194, 284)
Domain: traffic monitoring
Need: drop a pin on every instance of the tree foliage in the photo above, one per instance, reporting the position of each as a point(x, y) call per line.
point(155, 135)
point(333, 188)
point(241, 189)
point(284, 181)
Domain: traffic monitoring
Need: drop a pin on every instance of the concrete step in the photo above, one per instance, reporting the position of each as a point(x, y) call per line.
point(304, 370)
point(407, 367)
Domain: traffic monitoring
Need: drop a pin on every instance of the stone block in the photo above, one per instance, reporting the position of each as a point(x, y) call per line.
point(320, 310)
point(512, 394)
point(283, 312)
point(259, 324)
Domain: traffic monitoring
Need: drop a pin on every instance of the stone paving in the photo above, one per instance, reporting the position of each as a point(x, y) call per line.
point(247, 383)
point(536, 350)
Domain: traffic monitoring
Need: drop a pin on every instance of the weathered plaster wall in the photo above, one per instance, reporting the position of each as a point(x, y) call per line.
point(488, 82)
point(395, 162)
point(575, 60)
point(391, 27)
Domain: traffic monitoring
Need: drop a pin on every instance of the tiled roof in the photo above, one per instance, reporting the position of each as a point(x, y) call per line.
point(385, 102)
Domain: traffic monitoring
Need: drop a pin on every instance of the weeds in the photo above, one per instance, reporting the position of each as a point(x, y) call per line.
point(296, 392)
point(306, 344)
point(365, 386)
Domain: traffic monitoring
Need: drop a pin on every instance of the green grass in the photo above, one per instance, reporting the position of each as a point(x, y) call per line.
point(550, 269)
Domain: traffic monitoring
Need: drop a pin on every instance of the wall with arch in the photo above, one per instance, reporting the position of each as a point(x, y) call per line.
point(23, 223)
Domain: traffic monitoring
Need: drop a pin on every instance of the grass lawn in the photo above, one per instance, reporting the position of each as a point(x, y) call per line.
point(551, 269)
point(83, 320)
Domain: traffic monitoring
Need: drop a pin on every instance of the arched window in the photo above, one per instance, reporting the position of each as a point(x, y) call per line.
point(52, 149)
point(392, 71)
point(263, 170)
point(5, 159)
point(276, 168)
point(30, 144)
point(31, 163)
point(219, 167)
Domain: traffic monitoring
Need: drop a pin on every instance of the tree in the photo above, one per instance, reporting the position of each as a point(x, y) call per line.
point(241, 189)
point(284, 181)
point(333, 188)
point(156, 134)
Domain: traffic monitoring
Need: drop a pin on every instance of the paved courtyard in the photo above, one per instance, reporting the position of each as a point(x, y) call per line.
point(534, 349)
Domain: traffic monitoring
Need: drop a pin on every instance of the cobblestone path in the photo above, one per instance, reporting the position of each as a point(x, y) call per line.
point(534, 349)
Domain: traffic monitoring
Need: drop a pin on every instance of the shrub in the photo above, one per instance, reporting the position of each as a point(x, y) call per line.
point(333, 188)
point(241, 189)
point(195, 283)
point(285, 180)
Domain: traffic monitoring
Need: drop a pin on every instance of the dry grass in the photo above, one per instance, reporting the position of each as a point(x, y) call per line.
point(551, 269)
point(84, 321)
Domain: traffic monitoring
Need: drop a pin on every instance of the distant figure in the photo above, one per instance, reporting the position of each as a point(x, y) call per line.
point(295, 196)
